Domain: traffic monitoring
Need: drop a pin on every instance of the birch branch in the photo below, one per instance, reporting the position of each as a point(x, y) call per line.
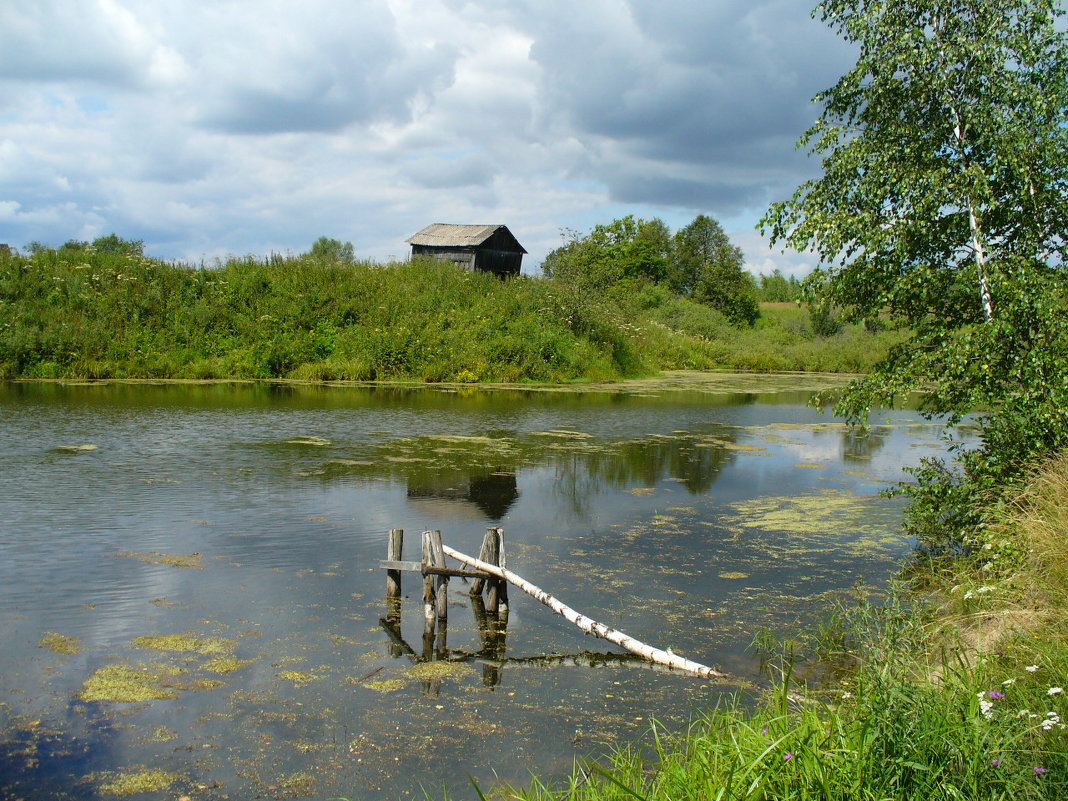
point(587, 624)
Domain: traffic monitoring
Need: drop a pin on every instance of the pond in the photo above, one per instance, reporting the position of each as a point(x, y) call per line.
point(191, 601)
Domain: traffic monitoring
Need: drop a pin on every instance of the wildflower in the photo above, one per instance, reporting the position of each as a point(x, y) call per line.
point(788, 755)
point(1008, 682)
point(764, 730)
point(995, 762)
point(986, 708)
point(846, 696)
point(996, 694)
point(1023, 713)
point(1031, 668)
point(1039, 770)
point(1054, 691)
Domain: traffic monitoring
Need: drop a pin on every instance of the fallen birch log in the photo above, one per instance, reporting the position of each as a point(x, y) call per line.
point(586, 624)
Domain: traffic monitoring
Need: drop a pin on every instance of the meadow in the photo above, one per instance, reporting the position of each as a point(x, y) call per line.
point(86, 313)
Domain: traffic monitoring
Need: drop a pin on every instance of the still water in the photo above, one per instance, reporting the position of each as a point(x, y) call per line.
point(189, 581)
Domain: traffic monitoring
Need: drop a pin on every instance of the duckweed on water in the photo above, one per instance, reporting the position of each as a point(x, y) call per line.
point(74, 448)
point(297, 676)
point(226, 664)
point(125, 684)
point(184, 643)
point(136, 781)
point(386, 685)
point(60, 643)
point(427, 671)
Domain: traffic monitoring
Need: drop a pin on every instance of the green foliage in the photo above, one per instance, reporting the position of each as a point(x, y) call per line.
point(699, 261)
point(709, 269)
point(942, 207)
point(777, 288)
point(626, 248)
point(326, 249)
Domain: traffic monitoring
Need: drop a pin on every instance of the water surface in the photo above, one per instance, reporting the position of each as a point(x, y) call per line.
point(244, 523)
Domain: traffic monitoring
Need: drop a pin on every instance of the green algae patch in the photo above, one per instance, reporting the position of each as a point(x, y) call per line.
point(429, 671)
point(386, 685)
point(173, 559)
point(297, 676)
point(226, 664)
point(75, 448)
point(136, 781)
point(60, 643)
point(125, 685)
point(186, 643)
point(733, 574)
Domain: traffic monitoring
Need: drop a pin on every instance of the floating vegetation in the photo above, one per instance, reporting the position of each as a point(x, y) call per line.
point(184, 642)
point(429, 671)
point(226, 664)
point(821, 513)
point(642, 491)
point(297, 676)
point(811, 466)
point(562, 434)
point(126, 685)
point(144, 780)
point(75, 448)
point(733, 574)
point(60, 643)
point(172, 559)
point(386, 685)
point(163, 734)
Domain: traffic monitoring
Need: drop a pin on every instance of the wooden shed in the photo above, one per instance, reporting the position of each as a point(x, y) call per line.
point(489, 248)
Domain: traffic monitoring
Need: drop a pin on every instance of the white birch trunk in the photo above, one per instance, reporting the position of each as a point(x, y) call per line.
point(586, 624)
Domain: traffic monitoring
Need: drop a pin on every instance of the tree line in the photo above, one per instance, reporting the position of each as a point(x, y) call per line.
point(698, 262)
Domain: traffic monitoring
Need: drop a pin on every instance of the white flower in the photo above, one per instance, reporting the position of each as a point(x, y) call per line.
point(986, 709)
point(1023, 713)
point(1007, 682)
point(846, 696)
point(1031, 668)
point(1054, 691)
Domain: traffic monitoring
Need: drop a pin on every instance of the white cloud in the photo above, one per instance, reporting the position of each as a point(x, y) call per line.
point(247, 126)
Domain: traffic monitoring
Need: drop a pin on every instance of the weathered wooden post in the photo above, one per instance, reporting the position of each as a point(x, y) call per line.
point(479, 584)
point(394, 553)
point(429, 590)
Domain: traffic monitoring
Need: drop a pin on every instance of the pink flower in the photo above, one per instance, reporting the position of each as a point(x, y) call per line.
point(788, 755)
point(1039, 770)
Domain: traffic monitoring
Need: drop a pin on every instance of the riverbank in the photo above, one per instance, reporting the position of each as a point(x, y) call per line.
point(953, 688)
point(80, 313)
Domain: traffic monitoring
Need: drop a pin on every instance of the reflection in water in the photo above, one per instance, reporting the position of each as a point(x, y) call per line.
point(491, 493)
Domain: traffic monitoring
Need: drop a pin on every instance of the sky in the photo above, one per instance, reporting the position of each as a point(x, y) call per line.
point(233, 127)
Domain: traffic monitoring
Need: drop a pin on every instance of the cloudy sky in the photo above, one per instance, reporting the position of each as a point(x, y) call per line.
point(219, 127)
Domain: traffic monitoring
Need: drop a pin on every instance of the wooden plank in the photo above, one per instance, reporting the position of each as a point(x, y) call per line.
point(417, 567)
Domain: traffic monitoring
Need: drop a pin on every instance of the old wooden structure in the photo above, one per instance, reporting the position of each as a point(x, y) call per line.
point(491, 576)
point(488, 248)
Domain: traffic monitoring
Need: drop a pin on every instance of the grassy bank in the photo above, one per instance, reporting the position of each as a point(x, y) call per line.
point(78, 312)
point(951, 689)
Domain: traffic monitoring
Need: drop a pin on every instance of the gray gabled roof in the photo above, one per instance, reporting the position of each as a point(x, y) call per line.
point(448, 235)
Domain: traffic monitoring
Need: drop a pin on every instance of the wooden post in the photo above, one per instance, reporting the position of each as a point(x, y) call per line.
point(502, 588)
point(441, 583)
point(479, 584)
point(395, 552)
point(429, 590)
point(493, 585)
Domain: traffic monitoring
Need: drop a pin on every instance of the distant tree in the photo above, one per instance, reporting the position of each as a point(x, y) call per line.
point(326, 249)
point(777, 288)
point(626, 248)
point(708, 268)
point(113, 243)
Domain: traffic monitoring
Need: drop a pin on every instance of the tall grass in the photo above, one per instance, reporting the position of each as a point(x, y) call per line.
point(962, 698)
point(80, 312)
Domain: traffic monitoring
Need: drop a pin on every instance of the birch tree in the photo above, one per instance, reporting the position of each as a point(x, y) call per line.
point(943, 205)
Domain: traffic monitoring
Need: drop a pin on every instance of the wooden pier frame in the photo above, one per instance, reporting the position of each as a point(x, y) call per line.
point(492, 576)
